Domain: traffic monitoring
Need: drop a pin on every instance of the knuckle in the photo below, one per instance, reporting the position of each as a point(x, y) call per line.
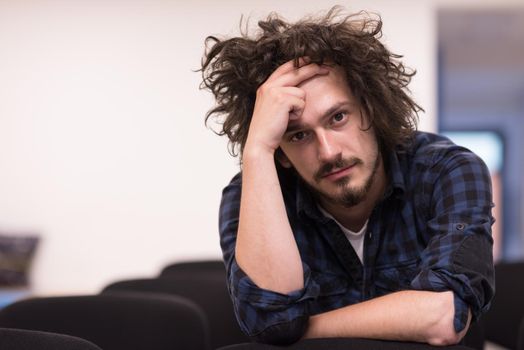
point(261, 90)
point(271, 93)
point(279, 97)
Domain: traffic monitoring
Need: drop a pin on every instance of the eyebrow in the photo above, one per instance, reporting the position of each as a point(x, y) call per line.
point(294, 126)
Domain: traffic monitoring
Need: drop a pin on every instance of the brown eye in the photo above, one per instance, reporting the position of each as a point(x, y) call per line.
point(298, 136)
point(339, 117)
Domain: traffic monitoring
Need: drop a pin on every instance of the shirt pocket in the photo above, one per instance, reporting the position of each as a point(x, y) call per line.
point(396, 276)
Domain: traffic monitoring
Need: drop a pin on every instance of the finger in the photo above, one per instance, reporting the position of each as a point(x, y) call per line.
point(299, 75)
point(294, 91)
point(287, 67)
point(297, 107)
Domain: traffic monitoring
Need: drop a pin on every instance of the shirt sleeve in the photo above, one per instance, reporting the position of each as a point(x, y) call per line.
point(458, 256)
point(263, 315)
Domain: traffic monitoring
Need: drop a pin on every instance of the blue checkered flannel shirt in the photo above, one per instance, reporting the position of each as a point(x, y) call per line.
point(431, 231)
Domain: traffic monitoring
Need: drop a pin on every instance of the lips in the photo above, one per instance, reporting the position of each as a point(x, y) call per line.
point(336, 169)
point(338, 173)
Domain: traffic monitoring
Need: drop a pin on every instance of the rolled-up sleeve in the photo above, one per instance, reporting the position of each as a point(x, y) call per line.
point(458, 256)
point(264, 315)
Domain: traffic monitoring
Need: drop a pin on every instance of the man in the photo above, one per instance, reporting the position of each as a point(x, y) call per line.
point(345, 221)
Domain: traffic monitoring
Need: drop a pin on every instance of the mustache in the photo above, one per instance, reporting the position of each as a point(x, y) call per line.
point(338, 163)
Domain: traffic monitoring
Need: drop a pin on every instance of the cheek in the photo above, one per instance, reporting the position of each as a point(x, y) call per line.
point(303, 169)
point(368, 143)
point(304, 165)
point(297, 156)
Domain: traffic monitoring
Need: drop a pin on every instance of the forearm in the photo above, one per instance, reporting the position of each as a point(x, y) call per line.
point(419, 316)
point(266, 249)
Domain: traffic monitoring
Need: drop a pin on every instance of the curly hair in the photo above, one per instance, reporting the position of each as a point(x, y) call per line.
point(234, 68)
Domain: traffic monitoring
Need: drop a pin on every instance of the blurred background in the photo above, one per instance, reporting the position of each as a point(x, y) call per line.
point(105, 160)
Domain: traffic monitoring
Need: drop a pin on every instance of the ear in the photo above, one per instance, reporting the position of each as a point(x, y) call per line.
point(283, 159)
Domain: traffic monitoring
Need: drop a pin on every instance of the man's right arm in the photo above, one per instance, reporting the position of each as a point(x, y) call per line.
point(265, 248)
point(266, 275)
point(264, 315)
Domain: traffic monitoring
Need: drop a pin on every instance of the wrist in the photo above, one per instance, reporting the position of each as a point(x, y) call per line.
point(255, 152)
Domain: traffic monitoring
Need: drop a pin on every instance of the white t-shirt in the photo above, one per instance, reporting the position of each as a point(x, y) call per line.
point(355, 238)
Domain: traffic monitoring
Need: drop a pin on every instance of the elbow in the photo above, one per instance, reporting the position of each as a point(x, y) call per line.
point(283, 333)
point(444, 337)
point(444, 334)
point(441, 331)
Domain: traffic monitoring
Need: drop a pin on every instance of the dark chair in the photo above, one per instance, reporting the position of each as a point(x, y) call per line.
point(520, 341)
point(209, 292)
point(344, 344)
point(507, 309)
point(115, 322)
point(197, 267)
point(475, 338)
point(22, 339)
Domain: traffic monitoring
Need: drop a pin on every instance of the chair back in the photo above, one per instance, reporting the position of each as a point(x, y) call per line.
point(345, 344)
point(208, 292)
point(520, 341)
point(195, 268)
point(475, 338)
point(115, 322)
point(23, 339)
point(502, 321)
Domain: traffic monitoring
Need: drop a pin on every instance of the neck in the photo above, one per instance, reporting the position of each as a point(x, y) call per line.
point(355, 217)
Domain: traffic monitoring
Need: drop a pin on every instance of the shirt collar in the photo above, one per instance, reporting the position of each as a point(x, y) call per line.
point(396, 184)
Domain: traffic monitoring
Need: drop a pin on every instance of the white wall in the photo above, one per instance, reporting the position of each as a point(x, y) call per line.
point(103, 150)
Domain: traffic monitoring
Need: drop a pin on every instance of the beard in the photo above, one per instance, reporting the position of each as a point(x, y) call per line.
point(346, 196)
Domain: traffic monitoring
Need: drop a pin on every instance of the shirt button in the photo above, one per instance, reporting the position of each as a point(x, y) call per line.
point(460, 227)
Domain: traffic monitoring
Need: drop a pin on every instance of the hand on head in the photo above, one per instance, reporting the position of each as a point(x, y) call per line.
point(278, 100)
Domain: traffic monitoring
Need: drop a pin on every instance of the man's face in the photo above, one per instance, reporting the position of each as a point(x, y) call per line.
point(330, 145)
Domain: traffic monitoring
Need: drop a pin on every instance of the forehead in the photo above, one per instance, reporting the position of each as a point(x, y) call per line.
point(333, 83)
point(323, 92)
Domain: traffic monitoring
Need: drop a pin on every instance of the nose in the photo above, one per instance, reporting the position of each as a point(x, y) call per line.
point(328, 148)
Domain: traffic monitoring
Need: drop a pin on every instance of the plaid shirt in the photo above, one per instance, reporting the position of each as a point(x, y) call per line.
point(431, 231)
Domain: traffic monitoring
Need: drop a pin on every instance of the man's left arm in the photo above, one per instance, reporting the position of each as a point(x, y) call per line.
point(458, 256)
point(419, 316)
